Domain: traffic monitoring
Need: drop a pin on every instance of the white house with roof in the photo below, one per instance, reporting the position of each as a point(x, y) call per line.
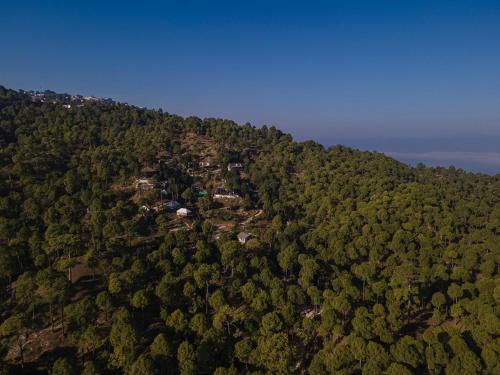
point(184, 212)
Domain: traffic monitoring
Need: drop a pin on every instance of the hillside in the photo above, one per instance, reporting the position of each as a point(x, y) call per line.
point(136, 241)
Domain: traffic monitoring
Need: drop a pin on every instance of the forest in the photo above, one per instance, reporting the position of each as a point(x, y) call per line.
point(348, 262)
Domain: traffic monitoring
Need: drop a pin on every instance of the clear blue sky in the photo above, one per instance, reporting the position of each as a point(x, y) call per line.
point(418, 78)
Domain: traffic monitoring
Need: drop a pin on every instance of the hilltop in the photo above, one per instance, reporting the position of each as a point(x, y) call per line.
point(137, 241)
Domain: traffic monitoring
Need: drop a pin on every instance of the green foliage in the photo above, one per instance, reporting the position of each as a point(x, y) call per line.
point(143, 365)
point(160, 348)
point(358, 263)
point(104, 302)
point(140, 299)
point(63, 366)
point(90, 369)
point(123, 338)
point(80, 315)
point(186, 358)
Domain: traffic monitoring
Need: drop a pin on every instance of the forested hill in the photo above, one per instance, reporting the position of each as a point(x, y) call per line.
point(139, 242)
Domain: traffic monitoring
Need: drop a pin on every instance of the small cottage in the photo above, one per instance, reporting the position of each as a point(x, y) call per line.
point(184, 212)
point(243, 237)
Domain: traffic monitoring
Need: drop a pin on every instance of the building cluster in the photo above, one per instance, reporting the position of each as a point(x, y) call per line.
point(146, 182)
point(67, 100)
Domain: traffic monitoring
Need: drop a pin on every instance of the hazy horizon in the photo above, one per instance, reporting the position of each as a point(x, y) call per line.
point(431, 151)
point(418, 81)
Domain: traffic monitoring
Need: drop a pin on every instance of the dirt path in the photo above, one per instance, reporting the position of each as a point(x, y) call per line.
point(251, 218)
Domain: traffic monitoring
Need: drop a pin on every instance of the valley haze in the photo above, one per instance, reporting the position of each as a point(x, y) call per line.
point(418, 80)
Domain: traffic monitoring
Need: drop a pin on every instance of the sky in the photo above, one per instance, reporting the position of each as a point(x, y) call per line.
point(419, 80)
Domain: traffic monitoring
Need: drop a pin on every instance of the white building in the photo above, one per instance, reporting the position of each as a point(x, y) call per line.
point(232, 166)
point(184, 212)
point(226, 196)
point(243, 237)
point(221, 193)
